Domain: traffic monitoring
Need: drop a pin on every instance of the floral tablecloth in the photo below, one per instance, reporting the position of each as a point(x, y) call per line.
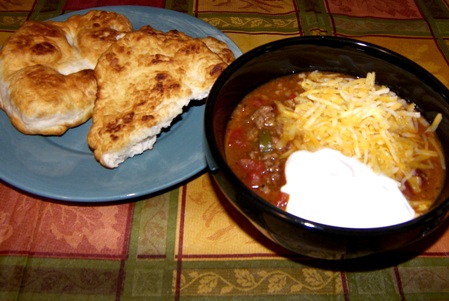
point(189, 243)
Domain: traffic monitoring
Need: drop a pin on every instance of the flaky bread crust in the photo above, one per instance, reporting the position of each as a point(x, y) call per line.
point(39, 43)
point(38, 53)
point(94, 32)
point(220, 48)
point(144, 81)
point(51, 88)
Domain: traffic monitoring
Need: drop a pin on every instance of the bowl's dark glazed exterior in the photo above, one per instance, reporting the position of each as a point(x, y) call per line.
point(352, 57)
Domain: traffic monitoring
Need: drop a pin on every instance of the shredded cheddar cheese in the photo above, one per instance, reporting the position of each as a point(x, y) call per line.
point(361, 120)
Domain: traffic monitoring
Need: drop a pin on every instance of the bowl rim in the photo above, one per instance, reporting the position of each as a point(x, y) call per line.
point(218, 163)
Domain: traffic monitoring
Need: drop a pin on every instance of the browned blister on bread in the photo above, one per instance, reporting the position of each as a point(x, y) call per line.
point(144, 81)
point(37, 58)
point(39, 43)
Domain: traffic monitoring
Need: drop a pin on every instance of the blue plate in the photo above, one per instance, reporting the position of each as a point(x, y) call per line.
point(64, 168)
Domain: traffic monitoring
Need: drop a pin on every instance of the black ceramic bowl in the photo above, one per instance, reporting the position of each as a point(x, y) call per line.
point(333, 54)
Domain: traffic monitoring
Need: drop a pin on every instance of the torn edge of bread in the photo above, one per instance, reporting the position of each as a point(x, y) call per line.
point(145, 139)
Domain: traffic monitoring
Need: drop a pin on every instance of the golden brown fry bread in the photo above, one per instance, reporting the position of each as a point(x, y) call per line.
point(45, 85)
point(144, 81)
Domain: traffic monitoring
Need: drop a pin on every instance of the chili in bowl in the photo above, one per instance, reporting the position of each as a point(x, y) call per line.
point(258, 119)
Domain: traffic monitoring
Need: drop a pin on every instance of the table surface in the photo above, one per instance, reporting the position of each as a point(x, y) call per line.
point(189, 243)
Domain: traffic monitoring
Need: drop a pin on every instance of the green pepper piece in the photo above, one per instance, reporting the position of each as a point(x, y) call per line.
point(265, 143)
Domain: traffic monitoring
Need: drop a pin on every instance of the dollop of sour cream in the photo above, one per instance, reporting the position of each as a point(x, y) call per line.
point(330, 188)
